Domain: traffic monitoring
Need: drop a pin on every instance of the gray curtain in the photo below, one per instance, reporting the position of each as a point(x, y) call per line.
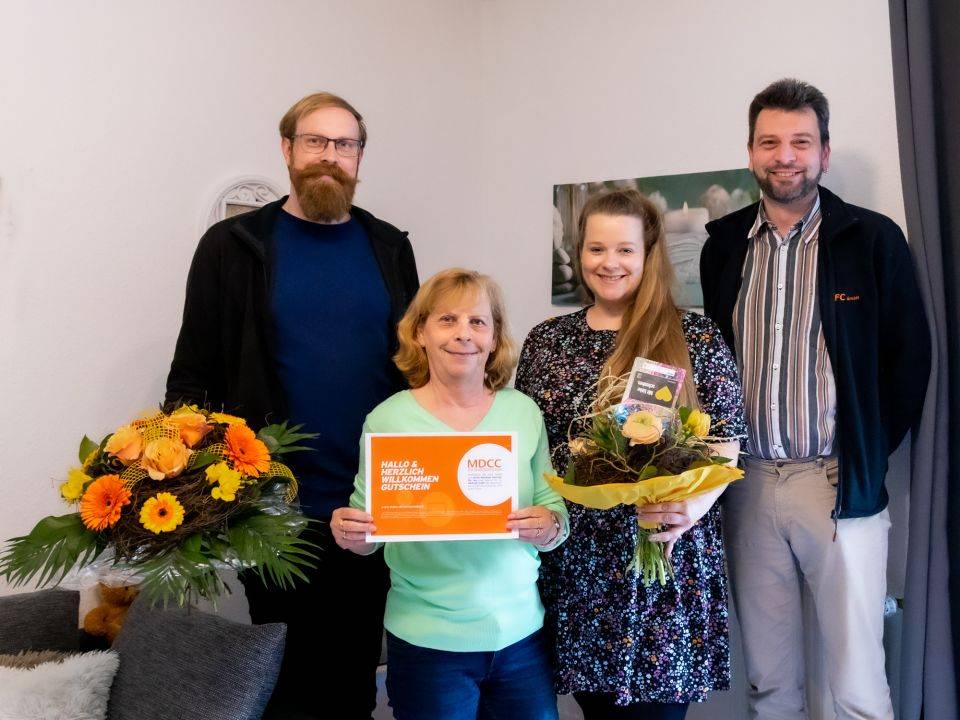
point(926, 37)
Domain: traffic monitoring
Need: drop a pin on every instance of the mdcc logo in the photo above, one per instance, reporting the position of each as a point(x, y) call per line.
point(483, 474)
point(485, 463)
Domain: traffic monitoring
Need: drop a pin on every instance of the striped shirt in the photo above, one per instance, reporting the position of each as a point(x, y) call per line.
point(788, 384)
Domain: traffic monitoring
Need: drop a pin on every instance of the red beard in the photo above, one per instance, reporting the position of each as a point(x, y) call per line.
point(322, 200)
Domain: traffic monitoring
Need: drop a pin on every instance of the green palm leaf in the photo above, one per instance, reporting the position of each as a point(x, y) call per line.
point(55, 546)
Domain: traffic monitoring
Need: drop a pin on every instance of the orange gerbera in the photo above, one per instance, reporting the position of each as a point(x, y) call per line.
point(101, 503)
point(247, 454)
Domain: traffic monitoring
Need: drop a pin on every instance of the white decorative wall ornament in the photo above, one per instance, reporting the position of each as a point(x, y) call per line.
point(243, 195)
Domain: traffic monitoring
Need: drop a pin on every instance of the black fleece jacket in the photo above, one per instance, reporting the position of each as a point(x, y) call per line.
point(223, 359)
point(874, 327)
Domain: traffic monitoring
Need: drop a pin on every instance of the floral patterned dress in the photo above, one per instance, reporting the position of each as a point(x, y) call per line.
point(611, 634)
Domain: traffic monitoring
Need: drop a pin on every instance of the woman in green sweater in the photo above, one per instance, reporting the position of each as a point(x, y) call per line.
point(464, 618)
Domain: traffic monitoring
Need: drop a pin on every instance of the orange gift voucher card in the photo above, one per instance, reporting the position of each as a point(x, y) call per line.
point(441, 486)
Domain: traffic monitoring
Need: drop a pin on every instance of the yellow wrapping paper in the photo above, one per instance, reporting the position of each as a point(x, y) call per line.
point(664, 488)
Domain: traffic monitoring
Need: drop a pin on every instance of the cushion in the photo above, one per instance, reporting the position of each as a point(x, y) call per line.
point(43, 620)
point(31, 658)
point(193, 665)
point(76, 687)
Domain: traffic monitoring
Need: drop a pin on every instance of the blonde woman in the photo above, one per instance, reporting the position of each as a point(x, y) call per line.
point(625, 650)
point(464, 619)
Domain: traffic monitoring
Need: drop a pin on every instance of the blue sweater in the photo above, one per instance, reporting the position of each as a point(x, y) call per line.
point(330, 314)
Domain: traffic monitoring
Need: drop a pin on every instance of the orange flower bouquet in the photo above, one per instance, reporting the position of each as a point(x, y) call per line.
point(175, 497)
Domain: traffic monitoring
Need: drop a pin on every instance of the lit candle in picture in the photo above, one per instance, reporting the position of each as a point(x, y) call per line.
point(686, 220)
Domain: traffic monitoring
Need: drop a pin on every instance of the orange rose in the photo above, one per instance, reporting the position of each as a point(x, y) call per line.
point(192, 426)
point(125, 444)
point(164, 458)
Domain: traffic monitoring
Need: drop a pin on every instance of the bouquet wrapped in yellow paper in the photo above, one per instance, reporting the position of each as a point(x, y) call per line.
point(628, 455)
point(648, 558)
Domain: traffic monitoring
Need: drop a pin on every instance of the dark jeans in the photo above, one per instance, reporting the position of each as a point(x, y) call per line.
point(515, 683)
point(600, 706)
point(334, 634)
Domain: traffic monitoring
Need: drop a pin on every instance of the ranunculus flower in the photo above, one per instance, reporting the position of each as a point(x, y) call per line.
point(698, 423)
point(643, 428)
point(164, 458)
point(192, 426)
point(125, 444)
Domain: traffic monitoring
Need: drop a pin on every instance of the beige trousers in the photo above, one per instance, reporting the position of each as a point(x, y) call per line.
point(779, 533)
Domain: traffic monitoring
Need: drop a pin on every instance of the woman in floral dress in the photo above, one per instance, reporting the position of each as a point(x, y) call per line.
point(625, 650)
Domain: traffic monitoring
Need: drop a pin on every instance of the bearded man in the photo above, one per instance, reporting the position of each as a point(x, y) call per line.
point(819, 301)
point(291, 313)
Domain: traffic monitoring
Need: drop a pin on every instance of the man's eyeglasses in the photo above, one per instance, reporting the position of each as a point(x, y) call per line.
point(316, 144)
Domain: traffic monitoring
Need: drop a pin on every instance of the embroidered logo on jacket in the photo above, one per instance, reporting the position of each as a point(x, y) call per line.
point(843, 297)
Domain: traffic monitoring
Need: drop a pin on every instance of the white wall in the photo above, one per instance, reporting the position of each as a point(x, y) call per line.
point(120, 121)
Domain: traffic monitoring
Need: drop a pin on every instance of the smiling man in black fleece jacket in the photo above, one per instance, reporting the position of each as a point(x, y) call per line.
point(819, 301)
point(291, 313)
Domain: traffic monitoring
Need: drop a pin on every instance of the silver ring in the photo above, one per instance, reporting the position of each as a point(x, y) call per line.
point(344, 533)
point(539, 531)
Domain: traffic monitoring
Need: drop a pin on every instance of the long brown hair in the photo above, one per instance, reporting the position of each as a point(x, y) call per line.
point(651, 325)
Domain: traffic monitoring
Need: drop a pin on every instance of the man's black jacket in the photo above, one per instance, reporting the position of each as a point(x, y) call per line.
point(224, 358)
point(874, 327)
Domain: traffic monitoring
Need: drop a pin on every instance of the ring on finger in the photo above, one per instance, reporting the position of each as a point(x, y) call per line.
point(539, 531)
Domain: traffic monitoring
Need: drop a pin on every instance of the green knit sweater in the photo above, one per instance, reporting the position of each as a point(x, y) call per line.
point(467, 596)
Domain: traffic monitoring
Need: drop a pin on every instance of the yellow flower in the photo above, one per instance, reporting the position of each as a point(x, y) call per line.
point(125, 444)
point(226, 419)
point(698, 423)
point(226, 491)
point(164, 458)
point(72, 489)
point(91, 457)
point(161, 513)
point(643, 428)
point(228, 482)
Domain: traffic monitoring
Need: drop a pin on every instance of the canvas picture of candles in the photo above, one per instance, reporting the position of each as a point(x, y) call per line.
point(688, 202)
